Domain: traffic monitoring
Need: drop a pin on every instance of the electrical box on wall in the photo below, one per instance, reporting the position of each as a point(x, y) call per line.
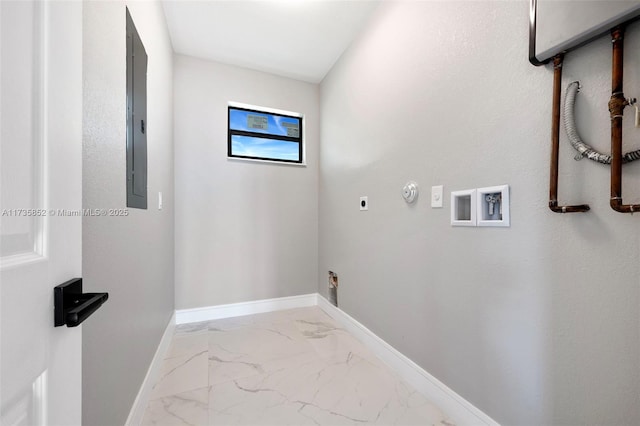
point(136, 67)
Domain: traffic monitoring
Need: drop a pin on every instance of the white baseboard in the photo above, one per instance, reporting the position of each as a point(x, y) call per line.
point(153, 374)
point(209, 313)
point(459, 410)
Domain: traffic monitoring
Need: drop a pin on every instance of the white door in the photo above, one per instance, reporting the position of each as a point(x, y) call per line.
point(41, 172)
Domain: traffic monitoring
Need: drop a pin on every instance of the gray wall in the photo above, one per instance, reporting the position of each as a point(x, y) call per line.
point(244, 230)
point(130, 257)
point(534, 324)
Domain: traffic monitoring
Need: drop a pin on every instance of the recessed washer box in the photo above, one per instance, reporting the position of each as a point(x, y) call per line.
point(463, 208)
point(493, 206)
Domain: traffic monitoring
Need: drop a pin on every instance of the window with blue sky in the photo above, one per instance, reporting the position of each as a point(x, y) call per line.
point(264, 135)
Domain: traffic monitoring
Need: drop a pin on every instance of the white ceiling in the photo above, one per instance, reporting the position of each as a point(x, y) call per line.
point(299, 39)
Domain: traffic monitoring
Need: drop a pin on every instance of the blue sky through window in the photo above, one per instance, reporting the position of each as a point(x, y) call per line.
point(248, 146)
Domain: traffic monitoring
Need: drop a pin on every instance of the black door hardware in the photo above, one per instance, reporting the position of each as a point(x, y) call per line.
point(72, 306)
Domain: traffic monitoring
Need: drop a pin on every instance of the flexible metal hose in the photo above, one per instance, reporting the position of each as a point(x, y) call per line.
point(584, 149)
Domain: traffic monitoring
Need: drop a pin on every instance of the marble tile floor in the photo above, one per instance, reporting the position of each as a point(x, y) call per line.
point(293, 367)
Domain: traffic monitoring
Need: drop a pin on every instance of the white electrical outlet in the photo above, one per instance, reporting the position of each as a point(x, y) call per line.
point(436, 197)
point(159, 200)
point(364, 203)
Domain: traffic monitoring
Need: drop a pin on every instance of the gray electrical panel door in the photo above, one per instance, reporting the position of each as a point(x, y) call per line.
point(136, 118)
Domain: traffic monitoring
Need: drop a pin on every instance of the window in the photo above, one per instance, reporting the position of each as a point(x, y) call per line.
point(262, 134)
point(136, 118)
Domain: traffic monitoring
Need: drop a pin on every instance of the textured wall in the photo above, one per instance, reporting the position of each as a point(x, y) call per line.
point(130, 257)
point(244, 230)
point(534, 324)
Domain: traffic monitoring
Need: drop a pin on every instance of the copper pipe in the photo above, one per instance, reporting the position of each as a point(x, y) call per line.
point(616, 108)
point(555, 144)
